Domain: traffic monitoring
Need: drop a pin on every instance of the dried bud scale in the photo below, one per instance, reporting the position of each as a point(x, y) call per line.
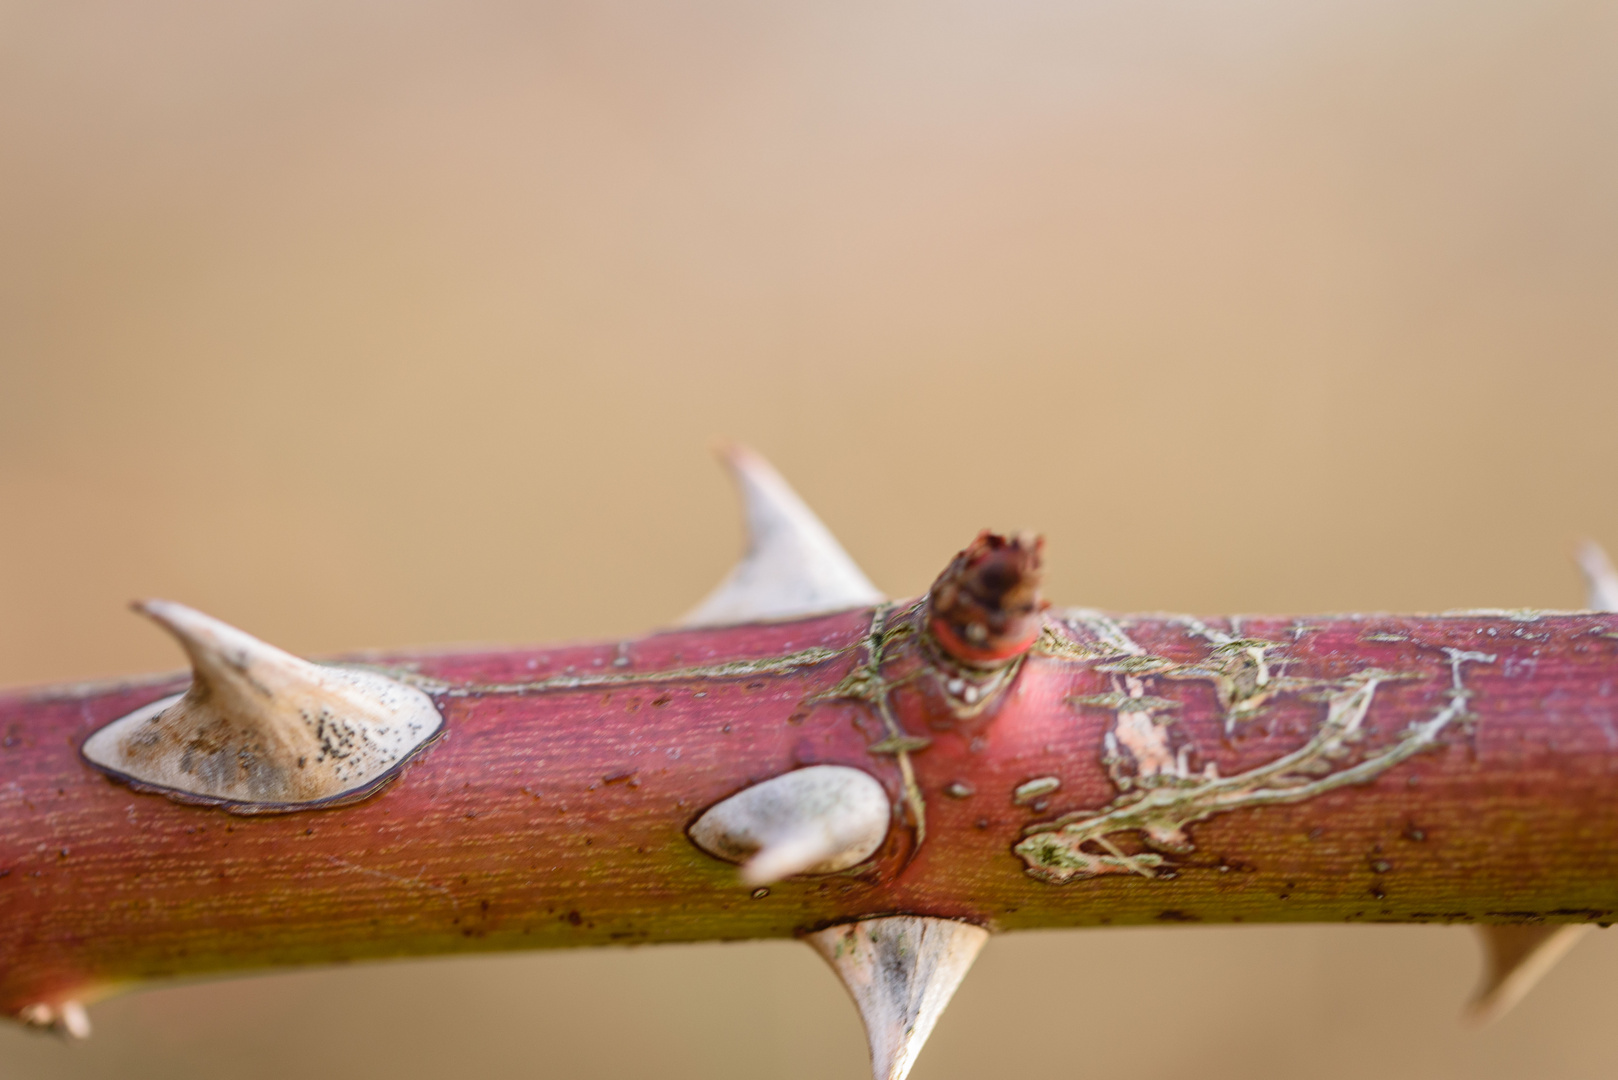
point(985, 609)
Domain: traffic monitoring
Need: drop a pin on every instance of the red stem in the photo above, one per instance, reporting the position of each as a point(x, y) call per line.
point(1378, 768)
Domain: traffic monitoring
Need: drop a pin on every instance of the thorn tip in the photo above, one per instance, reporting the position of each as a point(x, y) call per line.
point(74, 1021)
point(1516, 957)
point(793, 567)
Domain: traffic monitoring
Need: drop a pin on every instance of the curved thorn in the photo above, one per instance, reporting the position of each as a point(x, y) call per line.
point(793, 565)
point(1516, 958)
point(260, 729)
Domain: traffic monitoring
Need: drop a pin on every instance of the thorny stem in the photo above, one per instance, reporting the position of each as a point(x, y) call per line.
point(526, 827)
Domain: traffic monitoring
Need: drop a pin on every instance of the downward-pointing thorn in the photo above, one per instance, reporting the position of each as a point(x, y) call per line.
point(74, 1021)
point(901, 971)
point(1516, 957)
point(67, 1019)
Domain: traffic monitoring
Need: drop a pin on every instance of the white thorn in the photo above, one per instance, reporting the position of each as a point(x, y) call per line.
point(793, 565)
point(797, 854)
point(261, 729)
point(816, 820)
point(69, 1020)
point(1516, 957)
point(73, 1021)
point(1600, 577)
point(37, 1015)
point(901, 971)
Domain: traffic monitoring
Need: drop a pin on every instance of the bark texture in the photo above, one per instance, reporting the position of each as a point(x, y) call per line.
point(1124, 770)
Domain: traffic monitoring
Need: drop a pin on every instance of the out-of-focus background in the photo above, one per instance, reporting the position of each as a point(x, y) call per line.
point(370, 324)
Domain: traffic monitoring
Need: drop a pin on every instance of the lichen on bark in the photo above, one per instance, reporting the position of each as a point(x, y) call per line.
point(1161, 794)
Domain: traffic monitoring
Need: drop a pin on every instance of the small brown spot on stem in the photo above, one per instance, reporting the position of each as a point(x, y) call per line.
point(1173, 915)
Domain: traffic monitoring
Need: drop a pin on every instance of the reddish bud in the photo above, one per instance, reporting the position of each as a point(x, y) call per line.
point(985, 609)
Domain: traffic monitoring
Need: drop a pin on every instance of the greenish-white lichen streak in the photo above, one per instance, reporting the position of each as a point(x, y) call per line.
point(1160, 807)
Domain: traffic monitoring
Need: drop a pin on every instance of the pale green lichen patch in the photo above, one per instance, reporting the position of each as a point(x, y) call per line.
point(727, 669)
point(1036, 788)
point(1139, 665)
point(1057, 645)
point(1123, 702)
point(1526, 615)
point(1110, 637)
point(867, 683)
point(1050, 857)
point(900, 744)
point(1240, 669)
point(1160, 801)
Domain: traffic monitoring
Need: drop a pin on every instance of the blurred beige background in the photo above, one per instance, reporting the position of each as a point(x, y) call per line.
point(366, 324)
